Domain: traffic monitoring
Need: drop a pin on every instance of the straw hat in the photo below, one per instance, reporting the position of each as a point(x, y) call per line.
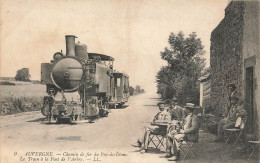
point(190, 105)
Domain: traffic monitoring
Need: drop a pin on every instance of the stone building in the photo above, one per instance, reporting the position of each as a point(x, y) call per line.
point(235, 58)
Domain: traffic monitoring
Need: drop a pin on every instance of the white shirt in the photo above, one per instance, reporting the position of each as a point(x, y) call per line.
point(187, 121)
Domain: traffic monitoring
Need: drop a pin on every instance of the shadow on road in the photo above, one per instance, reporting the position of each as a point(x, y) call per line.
point(38, 120)
point(44, 121)
point(152, 150)
point(70, 138)
point(122, 107)
point(150, 105)
point(156, 98)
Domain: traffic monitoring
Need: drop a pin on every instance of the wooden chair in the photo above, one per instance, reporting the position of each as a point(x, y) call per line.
point(238, 131)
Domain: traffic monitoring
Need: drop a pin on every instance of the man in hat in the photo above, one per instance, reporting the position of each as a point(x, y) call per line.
point(177, 112)
point(232, 91)
point(161, 116)
point(236, 110)
point(51, 101)
point(189, 132)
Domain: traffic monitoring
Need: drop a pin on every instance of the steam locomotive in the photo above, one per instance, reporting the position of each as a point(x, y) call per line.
point(90, 74)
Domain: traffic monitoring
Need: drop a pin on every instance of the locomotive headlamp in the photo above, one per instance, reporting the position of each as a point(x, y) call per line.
point(57, 56)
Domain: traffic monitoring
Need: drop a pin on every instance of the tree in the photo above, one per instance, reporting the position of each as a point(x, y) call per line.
point(23, 75)
point(131, 90)
point(185, 65)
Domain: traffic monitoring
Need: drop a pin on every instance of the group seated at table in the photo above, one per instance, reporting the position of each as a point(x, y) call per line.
point(161, 116)
point(179, 129)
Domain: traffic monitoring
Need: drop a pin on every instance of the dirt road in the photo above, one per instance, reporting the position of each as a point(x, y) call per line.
point(26, 138)
point(27, 132)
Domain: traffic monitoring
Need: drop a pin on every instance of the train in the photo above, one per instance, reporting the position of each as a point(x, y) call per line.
point(90, 75)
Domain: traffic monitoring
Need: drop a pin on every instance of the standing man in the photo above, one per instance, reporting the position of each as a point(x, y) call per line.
point(177, 112)
point(236, 110)
point(189, 132)
point(232, 91)
point(51, 101)
point(161, 116)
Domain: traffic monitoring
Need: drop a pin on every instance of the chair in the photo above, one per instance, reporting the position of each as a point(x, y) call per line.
point(159, 141)
point(237, 131)
point(189, 146)
point(254, 146)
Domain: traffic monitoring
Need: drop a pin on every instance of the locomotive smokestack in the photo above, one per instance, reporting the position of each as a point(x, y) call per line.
point(70, 45)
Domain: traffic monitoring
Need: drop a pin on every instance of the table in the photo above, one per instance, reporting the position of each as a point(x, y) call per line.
point(161, 123)
point(163, 127)
point(161, 135)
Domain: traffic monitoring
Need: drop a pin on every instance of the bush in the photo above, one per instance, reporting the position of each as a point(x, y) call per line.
point(6, 83)
point(12, 105)
point(131, 91)
point(36, 82)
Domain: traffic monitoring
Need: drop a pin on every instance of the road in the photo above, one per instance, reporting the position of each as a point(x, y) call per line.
point(28, 132)
point(27, 138)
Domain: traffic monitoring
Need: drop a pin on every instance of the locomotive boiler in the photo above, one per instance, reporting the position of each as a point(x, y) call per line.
point(90, 74)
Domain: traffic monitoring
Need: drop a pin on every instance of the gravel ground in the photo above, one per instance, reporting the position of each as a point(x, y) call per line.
point(106, 140)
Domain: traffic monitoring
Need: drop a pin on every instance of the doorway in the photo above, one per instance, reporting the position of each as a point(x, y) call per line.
point(249, 100)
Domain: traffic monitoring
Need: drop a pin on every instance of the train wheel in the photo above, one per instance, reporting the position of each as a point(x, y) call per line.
point(55, 117)
point(103, 112)
point(106, 106)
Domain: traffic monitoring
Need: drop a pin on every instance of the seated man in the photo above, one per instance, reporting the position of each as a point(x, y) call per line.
point(176, 111)
point(162, 116)
point(235, 111)
point(189, 132)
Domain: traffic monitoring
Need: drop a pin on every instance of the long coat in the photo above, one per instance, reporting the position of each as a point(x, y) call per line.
point(191, 128)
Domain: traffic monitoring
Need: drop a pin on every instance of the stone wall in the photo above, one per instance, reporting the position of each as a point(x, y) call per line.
point(226, 55)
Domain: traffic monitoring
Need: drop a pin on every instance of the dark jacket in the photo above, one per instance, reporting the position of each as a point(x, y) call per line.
point(177, 113)
point(234, 112)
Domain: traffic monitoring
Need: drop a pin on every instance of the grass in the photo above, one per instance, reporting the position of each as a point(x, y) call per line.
point(24, 96)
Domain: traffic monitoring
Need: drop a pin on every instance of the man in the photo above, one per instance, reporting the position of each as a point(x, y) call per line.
point(189, 132)
point(51, 101)
point(177, 113)
point(232, 91)
point(235, 111)
point(161, 116)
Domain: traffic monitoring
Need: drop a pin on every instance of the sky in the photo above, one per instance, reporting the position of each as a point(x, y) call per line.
point(134, 32)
